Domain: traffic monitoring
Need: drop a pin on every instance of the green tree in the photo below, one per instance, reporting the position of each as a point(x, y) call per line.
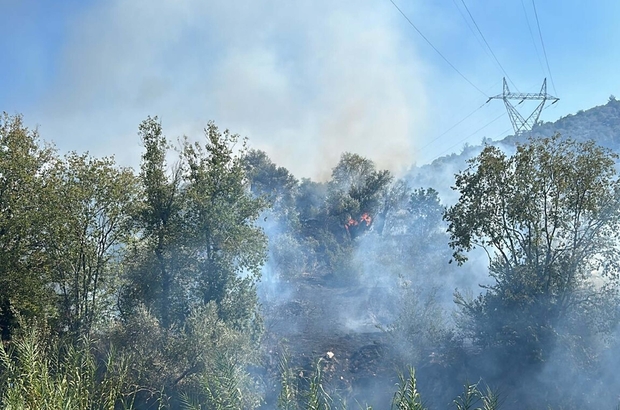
point(547, 218)
point(24, 166)
point(154, 263)
point(90, 204)
point(276, 184)
point(194, 262)
point(221, 213)
point(414, 214)
point(356, 188)
point(413, 238)
point(310, 205)
point(200, 243)
point(332, 214)
point(394, 201)
point(426, 211)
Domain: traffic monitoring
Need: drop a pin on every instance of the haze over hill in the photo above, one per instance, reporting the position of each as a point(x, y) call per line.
point(600, 124)
point(219, 277)
point(327, 317)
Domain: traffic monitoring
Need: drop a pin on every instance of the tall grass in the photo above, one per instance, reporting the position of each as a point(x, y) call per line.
point(45, 375)
point(289, 390)
point(407, 396)
point(222, 387)
point(39, 374)
point(316, 397)
point(473, 398)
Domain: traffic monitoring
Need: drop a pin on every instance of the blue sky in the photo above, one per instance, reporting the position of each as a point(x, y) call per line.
point(303, 80)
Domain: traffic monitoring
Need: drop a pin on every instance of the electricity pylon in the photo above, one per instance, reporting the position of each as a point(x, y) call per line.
point(519, 123)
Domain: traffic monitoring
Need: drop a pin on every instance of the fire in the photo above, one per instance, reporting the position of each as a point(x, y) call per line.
point(366, 218)
point(355, 227)
point(351, 222)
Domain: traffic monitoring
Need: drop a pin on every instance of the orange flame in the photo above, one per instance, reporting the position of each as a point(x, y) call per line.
point(366, 218)
point(365, 221)
point(350, 222)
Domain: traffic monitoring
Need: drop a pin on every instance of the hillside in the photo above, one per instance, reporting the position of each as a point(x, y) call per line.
point(313, 317)
point(601, 124)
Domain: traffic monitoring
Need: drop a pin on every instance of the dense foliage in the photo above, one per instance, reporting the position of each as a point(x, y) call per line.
point(124, 288)
point(548, 218)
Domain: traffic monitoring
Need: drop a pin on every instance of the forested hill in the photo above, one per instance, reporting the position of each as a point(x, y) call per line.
point(601, 124)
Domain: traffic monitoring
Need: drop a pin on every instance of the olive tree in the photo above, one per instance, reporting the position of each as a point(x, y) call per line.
point(547, 217)
point(228, 247)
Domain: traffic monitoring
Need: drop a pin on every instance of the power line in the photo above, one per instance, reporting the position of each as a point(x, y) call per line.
point(458, 122)
point(481, 128)
point(502, 133)
point(508, 129)
point(519, 122)
point(452, 127)
point(487, 44)
point(436, 50)
point(471, 28)
point(543, 47)
point(473, 133)
point(423, 148)
point(529, 27)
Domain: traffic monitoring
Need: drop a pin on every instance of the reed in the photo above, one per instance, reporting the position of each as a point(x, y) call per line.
point(49, 375)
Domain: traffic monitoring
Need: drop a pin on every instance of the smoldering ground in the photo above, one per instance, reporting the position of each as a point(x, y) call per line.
point(387, 301)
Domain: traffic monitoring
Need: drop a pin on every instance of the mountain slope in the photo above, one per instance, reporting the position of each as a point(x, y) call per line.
point(601, 124)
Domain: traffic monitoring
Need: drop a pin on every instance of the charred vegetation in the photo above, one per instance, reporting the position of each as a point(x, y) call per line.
point(213, 278)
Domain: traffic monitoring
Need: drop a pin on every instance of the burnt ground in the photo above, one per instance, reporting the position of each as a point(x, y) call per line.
point(339, 328)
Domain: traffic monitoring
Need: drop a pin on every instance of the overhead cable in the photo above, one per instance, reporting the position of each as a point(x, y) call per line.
point(471, 28)
point(452, 127)
point(543, 47)
point(473, 133)
point(529, 27)
point(488, 46)
point(460, 121)
point(501, 134)
point(436, 50)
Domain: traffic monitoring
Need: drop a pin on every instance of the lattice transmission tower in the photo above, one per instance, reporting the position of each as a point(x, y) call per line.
point(519, 123)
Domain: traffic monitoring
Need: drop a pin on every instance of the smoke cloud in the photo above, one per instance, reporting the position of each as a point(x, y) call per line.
point(305, 81)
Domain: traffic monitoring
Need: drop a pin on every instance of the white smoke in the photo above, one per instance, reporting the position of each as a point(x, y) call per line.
point(304, 81)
